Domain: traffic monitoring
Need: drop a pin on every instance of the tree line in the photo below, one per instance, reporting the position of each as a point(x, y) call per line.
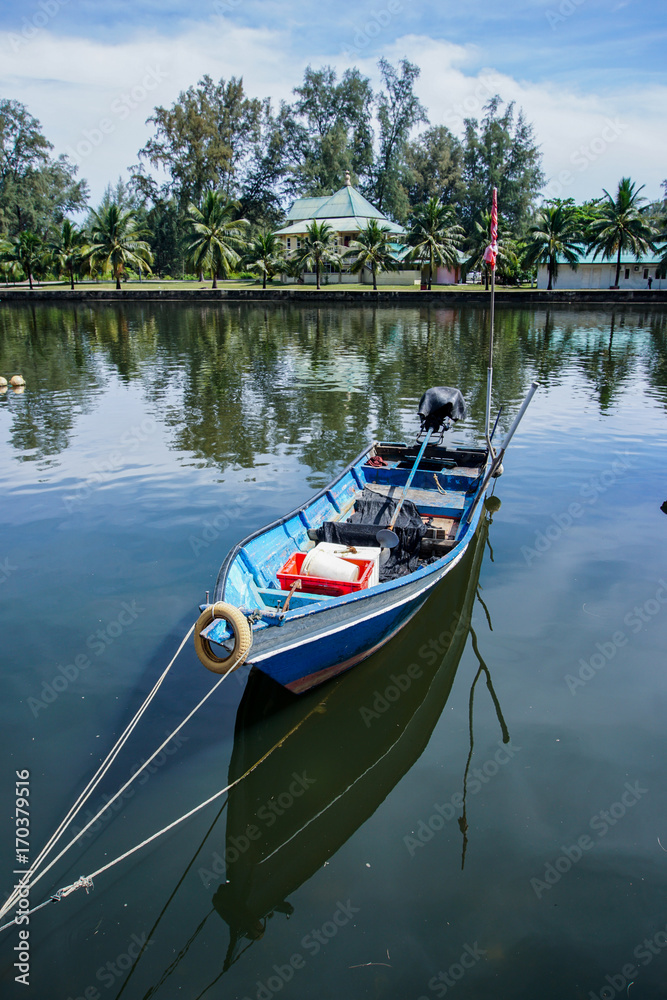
point(214, 179)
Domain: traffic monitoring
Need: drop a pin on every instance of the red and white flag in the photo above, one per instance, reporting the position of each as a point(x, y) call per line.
point(491, 251)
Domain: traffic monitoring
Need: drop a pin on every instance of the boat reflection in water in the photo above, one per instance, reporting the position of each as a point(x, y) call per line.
point(333, 757)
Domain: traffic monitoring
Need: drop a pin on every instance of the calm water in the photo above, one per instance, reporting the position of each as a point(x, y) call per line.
point(147, 442)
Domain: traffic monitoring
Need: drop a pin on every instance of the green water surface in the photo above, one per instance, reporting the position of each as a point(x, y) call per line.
point(148, 440)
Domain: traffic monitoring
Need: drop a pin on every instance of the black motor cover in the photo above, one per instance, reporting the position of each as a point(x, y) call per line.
point(438, 404)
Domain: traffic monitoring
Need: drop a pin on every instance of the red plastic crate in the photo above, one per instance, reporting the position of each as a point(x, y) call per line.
point(291, 571)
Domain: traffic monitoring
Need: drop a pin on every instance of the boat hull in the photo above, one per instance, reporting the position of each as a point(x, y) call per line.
point(302, 654)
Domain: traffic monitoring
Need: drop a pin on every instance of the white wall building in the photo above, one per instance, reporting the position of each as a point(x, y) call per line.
point(602, 273)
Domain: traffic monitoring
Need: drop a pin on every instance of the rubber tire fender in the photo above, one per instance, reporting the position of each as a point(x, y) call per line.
point(238, 623)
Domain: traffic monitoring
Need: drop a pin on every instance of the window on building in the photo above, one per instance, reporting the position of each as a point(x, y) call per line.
point(645, 273)
point(298, 243)
point(627, 273)
point(289, 242)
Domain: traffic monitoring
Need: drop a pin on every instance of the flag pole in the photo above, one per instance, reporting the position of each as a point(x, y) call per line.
point(490, 255)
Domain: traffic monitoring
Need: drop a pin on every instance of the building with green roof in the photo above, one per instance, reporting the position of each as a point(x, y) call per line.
point(347, 212)
point(601, 273)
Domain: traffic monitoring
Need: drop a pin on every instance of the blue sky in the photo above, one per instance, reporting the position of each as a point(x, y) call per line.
point(589, 73)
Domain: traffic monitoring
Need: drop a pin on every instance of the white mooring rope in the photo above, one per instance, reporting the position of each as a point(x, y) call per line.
point(95, 780)
point(86, 881)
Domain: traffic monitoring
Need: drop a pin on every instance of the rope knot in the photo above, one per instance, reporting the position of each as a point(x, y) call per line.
point(83, 883)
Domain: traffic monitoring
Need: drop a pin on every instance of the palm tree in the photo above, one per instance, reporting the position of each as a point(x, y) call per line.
point(266, 256)
point(219, 237)
point(27, 251)
point(318, 248)
point(507, 257)
point(67, 249)
point(116, 241)
point(621, 226)
point(371, 249)
point(554, 234)
point(435, 236)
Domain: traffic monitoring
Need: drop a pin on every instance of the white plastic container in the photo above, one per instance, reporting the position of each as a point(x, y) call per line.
point(328, 566)
point(369, 552)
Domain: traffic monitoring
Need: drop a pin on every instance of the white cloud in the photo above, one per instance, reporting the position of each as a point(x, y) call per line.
point(88, 94)
point(588, 140)
point(94, 99)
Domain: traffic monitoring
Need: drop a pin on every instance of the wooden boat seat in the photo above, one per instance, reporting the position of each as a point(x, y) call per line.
point(272, 598)
point(449, 503)
point(427, 478)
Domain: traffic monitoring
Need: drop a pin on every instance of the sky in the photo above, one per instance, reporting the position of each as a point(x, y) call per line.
point(589, 74)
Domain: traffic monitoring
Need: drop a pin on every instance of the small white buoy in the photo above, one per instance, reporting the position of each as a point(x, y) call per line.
point(17, 380)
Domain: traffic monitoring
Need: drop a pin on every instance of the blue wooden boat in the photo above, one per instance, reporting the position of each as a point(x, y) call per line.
point(301, 638)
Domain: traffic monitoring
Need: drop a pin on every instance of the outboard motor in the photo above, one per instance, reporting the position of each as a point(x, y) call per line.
point(440, 407)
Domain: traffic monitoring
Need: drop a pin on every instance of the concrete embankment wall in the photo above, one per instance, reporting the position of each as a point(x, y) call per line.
point(514, 298)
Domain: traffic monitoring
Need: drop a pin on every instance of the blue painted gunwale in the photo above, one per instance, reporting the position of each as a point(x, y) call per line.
point(317, 640)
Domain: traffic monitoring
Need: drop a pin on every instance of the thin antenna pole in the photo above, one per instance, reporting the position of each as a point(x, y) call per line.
point(489, 371)
point(490, 258)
